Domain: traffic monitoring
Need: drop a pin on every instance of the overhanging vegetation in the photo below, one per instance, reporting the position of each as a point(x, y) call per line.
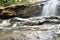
point(10, 2)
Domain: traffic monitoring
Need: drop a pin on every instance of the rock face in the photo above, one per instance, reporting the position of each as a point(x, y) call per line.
point(29, 11)
point(5, 14)
point(20, 11)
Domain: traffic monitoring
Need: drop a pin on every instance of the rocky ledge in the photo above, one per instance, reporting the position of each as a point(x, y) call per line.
point(22, 11)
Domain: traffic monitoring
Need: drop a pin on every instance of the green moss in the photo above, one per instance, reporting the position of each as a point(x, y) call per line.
point(10, 2)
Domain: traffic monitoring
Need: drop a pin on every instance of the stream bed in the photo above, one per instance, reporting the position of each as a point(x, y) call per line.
point(34, 28)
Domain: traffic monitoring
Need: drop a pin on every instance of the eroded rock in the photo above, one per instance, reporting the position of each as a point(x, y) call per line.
point(21, 11)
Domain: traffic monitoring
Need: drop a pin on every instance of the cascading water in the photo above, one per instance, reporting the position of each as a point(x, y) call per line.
point(39, 28)
point(50, 8)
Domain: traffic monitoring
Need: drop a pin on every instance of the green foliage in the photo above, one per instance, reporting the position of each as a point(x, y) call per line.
point(10, 2)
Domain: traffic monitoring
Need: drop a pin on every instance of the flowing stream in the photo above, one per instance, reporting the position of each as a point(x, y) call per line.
point(44, 27)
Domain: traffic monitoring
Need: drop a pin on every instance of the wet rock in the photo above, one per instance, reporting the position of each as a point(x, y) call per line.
point(20, 11)
point(30, 23)
point(37, 37)
point(5, 14)
point(52, 17)
point(1, 9)
point(35, 23)
point(29, 11)
point(9, 13)
point(46, 21)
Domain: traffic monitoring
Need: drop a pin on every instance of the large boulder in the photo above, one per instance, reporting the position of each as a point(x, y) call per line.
point(23, 11)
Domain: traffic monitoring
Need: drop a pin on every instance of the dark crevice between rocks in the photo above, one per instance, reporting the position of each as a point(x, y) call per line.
point(5, 17)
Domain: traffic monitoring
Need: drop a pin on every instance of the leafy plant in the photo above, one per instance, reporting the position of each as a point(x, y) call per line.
point(10, 2)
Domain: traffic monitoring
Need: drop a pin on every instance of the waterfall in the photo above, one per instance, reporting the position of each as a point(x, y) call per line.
point(50, 8)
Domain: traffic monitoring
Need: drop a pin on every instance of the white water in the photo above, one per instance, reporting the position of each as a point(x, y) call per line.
point(50, 8)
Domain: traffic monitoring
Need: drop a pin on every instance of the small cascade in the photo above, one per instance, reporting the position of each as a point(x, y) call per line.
point(50, 8)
